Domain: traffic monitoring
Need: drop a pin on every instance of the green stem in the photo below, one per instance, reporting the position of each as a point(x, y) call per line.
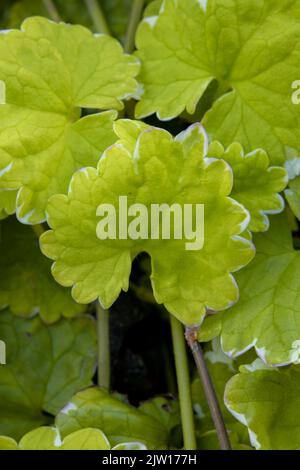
point(135, 16)
point(97, 16)
point(103, 347)
point(184, 387)
point(52, 10)
point(170, 375)
point(38, 229)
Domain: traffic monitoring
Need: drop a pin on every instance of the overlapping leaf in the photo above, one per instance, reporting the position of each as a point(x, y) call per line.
point(255, 184)
point(50, 71)
point(48, 438)
point(45, 366)
point(267, 402)
point(120, 422)
point(267, 315)
point(250, 47)
point(26, 283)
point(150, 167)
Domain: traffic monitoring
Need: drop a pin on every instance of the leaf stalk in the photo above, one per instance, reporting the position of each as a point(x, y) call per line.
point(38, 230)
point(212, 400)
point(184, 386)
point(98, 17)
point(134, 19)
point(52, 10)
point(103, 347)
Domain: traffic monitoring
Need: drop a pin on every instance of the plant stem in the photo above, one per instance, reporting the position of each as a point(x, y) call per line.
point(184, 388)
point(52, 10)
point(103, 347)
point(38, 229)
point(212, 400)
point(170, 375)
point(135, 16)
point(97, 16)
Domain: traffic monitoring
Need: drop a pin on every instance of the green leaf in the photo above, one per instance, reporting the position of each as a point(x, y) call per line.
point(150, 167)
point(267, 401)
point(130, 446)
point(267, 316)
point(7, 443)
point(86, 439)
point(7, 203)
point(255, 184)
point(251, 47)
point(26, 284)
point(210, 328)
point(120, 422)
point(163, 409)
point(292, 194)
point(42, 139)
point(45, 366)
point(43, 438)
point(209, 441)
point(46, 438)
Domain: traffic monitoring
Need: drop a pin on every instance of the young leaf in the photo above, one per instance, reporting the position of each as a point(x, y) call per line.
point(250, 47)
point(150, 167)
point(26, 284)
point(268, 313)
point(267, 401)
point(60, 69)
point(45, 366)
point(120, 422)
point(255, 184)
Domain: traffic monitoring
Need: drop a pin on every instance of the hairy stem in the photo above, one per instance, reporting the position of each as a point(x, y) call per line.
point(98, 17)
point(52, 10)
point(103, 349)
point(212, 400)
point(38, 229)
point(184, 387)
point(135, 16)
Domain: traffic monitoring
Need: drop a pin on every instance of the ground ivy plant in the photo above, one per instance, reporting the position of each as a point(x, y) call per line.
point(134, 105)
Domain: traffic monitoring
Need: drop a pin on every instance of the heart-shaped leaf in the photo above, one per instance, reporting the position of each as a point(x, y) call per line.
point(148, 167)
point(50, 71)
point(250, 47)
